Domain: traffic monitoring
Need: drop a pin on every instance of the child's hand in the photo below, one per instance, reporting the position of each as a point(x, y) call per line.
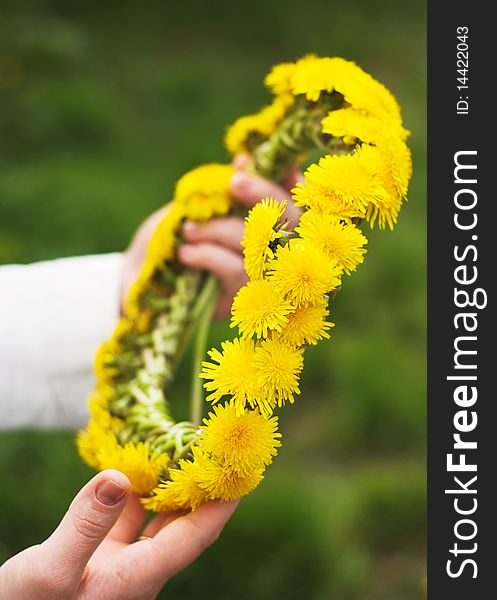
point(216, 245)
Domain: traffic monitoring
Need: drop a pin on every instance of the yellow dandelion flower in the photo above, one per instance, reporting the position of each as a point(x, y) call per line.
point(224, 483)
point(244, 135)
point(307, 325)
point(314, 75)
point(123, 328)
point(245, 442)
point(391, 161)
point(399, 160)
point(98, 403)
point(164, 498)
point(386, 211)
point(234, 374)
point(278, 371)
point(94, 441)
point(303, 273)
point(314, 194)
point(341, 241)
point(143, 321)
point(357, 125)
point(204, 192)
point(104, 370)
point(142, 465)
point(102, 394)
point(259, 308)
point(259, 233)
point(100, 414)
point(279, 79)
point(132, 302)
point(365, 93)
point(249, 131)
point(162, 244)
point(342, 185)
point(183, 491)
point(393, 169)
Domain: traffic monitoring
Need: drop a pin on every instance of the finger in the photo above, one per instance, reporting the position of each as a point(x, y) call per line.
point(90, 517)
point(249, 189)
point(130, 523)
point(227, 232)
point(180, 543)
point(161, 521)
point(242, 161)
point(224, 264)
point(192, 534)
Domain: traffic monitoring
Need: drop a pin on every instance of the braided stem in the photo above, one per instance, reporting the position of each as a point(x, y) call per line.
point(191, 297)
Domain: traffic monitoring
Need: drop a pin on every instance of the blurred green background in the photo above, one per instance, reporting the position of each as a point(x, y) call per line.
point(103, 105)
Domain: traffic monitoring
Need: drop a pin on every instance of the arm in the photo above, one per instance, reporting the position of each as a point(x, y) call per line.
point(53, 315)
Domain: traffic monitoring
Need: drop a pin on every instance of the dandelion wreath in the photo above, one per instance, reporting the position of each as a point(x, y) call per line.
point(321, 106)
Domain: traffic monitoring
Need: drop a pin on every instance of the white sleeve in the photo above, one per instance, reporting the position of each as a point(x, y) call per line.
point(53, 315)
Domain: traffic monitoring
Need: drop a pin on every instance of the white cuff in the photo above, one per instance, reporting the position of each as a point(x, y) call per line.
point(53, 316)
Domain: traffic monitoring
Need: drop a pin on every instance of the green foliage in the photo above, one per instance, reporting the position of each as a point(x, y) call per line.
point(102, 107)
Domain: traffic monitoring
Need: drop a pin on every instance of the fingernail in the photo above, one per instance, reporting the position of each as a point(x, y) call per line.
point(109, 492)
point(241, 182)
point(189, 227)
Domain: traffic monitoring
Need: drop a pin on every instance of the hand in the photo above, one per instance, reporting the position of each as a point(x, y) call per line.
point(216, 245)
point(93, 554)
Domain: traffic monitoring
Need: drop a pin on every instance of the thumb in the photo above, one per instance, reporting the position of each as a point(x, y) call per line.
point(91, 516)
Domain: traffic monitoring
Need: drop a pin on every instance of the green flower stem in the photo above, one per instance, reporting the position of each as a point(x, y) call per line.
point(141, 401)
point(176, 441)
point(208, 305)
point(296, 135)
point(196, 309)
point(147, 411)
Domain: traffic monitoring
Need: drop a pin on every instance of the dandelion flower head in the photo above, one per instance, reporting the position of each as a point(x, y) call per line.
point(259, 233)
point(245, 442)
point(259, 308)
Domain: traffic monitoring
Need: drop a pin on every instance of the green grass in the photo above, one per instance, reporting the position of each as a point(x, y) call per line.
point(102, 107)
